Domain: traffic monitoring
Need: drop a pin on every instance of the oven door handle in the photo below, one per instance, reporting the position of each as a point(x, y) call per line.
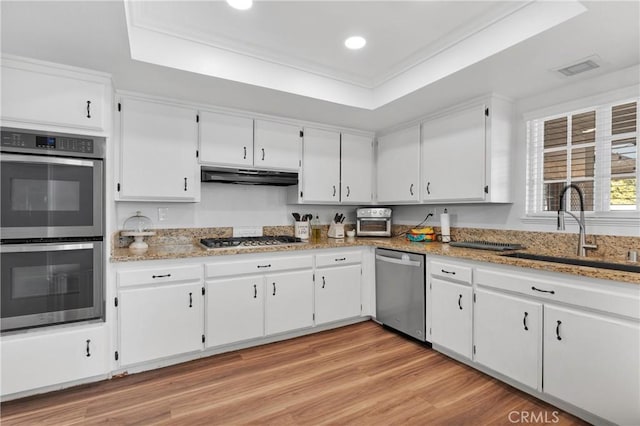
point(41, 159)
point(398, 261)
point(27, 248)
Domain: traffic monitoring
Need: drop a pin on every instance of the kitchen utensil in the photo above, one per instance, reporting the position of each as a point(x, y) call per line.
point(296, 216)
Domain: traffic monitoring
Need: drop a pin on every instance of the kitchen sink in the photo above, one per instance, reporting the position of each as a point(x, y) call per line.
point(574, 261)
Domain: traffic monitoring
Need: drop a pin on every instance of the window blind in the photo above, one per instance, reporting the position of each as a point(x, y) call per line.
point(594, 148)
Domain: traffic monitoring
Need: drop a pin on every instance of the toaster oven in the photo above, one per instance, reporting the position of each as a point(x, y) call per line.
point(373, 222)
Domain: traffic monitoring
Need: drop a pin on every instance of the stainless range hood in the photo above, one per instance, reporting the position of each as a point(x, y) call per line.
point(248, 176)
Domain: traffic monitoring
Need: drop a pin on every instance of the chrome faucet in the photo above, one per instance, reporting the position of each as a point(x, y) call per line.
point(582, 244)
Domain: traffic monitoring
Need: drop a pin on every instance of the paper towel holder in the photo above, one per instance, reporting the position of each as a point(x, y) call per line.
point(445, 229)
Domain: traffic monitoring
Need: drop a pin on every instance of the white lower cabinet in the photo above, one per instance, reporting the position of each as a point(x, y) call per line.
point(451, 307)
point(160, 321)
point(288, 301)
point(53, 358)
point(235, 310)
point(507, 336)
point(593, 362)
point(337, 293)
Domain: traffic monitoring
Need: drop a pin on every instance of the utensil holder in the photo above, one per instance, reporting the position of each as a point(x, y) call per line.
point(301, 230)
point(336, 230)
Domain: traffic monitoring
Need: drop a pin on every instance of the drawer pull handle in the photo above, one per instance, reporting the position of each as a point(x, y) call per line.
point(191, 300)
point(262, 154)
point(161, 276)
point(274, 289)
point(88, 113)
point(411, 189)
point(255, 291)
point(340, 259)
point(264, 266)
point(428, 188)
point(185, 184)
point(323, 282)
point(348, 191)
point(245, 153)
point(543, 291)
point(558, 330)
point(444, 271)
point(524, 321)
point(88, 351)
point(334, 190)
point(460, 301)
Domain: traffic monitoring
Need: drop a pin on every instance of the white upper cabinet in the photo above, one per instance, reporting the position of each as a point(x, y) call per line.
point(158, 144)
point(466, 154)
point(398, 168)
point(226, 140)
point(321, 166)
point(276, 145)
point(453, 156)
point(36, 95)
point(356, 169)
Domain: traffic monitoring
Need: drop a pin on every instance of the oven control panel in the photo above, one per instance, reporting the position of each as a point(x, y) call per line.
point(50, 144)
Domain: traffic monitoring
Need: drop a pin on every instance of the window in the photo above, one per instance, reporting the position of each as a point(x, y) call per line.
point(595, 149)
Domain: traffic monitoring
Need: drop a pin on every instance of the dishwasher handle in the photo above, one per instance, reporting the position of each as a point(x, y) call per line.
point(406, 262)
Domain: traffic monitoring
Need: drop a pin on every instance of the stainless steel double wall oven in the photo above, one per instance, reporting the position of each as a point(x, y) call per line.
point(51, 228)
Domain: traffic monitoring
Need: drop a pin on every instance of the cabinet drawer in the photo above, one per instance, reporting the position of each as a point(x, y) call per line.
point(160, 275)
point(333, 259)
point(451, 271)
point(259, 266)
point(595, 296)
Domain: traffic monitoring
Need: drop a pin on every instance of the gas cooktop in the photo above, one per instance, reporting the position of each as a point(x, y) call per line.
point(247, 242)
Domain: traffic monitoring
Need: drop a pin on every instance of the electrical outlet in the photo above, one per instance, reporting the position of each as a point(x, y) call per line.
point(247, 231)
point(162, 213)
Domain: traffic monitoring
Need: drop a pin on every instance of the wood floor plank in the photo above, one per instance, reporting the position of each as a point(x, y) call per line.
point(357, 375)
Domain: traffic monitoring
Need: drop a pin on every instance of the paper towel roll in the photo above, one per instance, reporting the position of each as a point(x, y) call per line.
point(445, 227)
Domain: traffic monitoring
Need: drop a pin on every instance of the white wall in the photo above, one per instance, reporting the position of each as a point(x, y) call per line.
point(509, 216)
point(230, 205)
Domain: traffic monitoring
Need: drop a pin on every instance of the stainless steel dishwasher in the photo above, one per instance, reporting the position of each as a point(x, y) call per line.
point(400, 291)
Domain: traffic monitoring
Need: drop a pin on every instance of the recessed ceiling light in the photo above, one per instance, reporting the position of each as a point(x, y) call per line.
point(355, 42)
point(240, 4)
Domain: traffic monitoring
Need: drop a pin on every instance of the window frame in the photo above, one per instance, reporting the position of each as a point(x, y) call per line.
point(533, 213)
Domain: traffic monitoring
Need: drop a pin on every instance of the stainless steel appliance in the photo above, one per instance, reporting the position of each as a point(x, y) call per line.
point(247, 242)
point(50, 283)
point(51, 228)
point(51, 185)
point(373, 222)
point(400, 291)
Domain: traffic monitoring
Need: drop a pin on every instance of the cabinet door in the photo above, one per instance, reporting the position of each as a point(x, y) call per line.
point(226, 139)
point(398, 168)
point(42, 98)
point(337, 293)
point(158, 152)
point(289, 301)
point(508, 336)
point(158, 322)
point(276, 145)
point(235, 310)
point(453, 156)
point(356, 169)
point(321, 166)
point(451, 316)
point(34, 361)
point(592, 362)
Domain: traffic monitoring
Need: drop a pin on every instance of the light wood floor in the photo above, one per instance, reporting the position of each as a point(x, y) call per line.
point(361, 374)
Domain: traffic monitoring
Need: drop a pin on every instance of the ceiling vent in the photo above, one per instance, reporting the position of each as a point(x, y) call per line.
point(578, 68)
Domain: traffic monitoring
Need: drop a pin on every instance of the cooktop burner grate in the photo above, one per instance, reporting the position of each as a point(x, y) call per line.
point(487, 245)
point(247, 242)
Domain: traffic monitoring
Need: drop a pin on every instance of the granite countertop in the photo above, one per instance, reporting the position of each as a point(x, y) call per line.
point(178, 251)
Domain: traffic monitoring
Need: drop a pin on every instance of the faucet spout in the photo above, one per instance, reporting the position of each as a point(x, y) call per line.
point(582, 244)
